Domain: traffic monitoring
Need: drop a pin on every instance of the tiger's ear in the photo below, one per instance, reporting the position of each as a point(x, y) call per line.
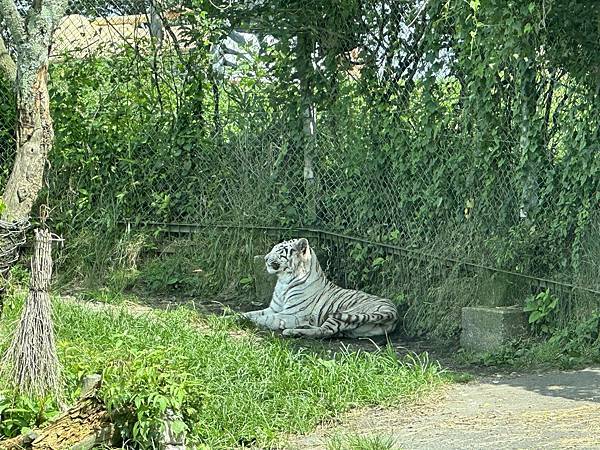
point(302, 246)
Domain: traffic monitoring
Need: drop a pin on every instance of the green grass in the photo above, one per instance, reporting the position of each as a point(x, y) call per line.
point(563, 351)
point(108, 296)
point(232, 388)
point(357, 442)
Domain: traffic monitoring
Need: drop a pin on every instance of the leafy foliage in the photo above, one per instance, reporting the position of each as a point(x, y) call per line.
point(19, 414)
point(541, 308)
point(470, 135)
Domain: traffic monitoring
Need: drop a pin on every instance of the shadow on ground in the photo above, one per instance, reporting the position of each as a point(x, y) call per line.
point(228, 303)
point(562, 384)
point(574, 385)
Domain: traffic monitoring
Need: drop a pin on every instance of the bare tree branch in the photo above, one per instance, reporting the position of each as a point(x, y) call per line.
point(14, 20)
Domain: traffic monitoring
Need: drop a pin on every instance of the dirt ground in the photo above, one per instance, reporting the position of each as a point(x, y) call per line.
point(550, 410)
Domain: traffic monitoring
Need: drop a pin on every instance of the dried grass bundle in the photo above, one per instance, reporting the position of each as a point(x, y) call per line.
point(31, 364)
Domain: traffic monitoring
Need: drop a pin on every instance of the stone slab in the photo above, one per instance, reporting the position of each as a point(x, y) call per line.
point(264, 282)
point(486, 329)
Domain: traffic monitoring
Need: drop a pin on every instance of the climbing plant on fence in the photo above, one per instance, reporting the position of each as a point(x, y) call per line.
point(460, 130)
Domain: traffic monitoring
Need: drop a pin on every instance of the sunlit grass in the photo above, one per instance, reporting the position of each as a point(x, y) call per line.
point(230, 388)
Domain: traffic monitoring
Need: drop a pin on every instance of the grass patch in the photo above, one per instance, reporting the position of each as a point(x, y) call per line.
point(208, 262)
point(357, 442)
point(231, 390)
point(108, 296)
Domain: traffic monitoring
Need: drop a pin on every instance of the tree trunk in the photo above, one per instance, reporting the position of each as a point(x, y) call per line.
point(31, 35)
point(35, 135)
point(529, 144)
point(309, 124)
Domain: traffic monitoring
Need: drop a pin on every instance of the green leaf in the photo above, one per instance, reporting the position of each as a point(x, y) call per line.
point(178, 426)
point(246, 280)
point(378, 261)
point(535, 316)
point(162, 403)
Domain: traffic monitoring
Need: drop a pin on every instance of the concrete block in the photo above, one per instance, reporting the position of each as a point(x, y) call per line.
point(488, 329)
point(264, 282)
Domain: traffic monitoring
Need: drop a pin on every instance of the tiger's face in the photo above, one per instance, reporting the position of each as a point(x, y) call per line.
point(287, 256)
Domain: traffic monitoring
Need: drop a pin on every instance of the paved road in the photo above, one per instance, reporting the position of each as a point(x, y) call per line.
point(559, 410)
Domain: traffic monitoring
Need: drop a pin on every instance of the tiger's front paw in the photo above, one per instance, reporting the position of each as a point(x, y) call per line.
point(291, 332)
point(248, 317)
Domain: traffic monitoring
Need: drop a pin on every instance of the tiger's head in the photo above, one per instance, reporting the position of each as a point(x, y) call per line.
point(289, 257)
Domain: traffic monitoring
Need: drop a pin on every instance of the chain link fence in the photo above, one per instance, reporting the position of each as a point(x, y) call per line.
point(385, 121)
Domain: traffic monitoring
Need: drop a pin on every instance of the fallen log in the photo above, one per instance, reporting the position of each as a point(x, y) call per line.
point(81, 427)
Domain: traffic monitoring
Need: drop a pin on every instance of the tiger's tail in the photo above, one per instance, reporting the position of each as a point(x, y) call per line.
point(362, 318)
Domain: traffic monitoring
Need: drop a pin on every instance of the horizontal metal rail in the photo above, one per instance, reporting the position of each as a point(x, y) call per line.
point(190, 228)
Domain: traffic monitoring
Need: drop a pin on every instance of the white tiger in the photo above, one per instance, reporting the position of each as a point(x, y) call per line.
point(306, 303)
